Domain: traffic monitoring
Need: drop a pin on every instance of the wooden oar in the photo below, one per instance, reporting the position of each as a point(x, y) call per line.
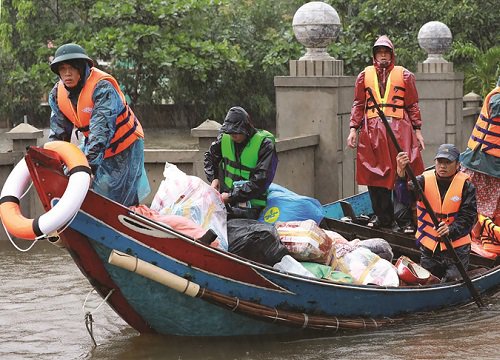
point(432, 214)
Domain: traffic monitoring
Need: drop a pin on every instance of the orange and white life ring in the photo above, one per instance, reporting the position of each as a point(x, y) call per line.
point(69, 204)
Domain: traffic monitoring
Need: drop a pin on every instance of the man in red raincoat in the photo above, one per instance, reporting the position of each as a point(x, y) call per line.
point(395, 91)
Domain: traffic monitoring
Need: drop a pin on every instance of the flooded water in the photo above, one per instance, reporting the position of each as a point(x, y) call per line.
point(42, 317)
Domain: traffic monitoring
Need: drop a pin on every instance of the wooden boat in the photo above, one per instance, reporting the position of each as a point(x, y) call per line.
point(190, 289)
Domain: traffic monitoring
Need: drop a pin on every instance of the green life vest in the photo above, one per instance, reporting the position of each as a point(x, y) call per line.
point(241, 169)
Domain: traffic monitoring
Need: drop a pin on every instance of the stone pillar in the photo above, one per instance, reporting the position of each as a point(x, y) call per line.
point(472, 100)
point(206, 133)
point(315, 99)
point(440, 90)
point(23, 135)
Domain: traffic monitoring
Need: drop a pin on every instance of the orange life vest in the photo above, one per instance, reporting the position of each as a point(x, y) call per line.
point(445, 212)
point(128, 128)
point(392, 104)
point(486, 132)
point(490, 234)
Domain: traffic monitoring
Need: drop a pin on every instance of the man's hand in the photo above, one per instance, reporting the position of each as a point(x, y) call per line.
point(351, 139)
point(215, 184)
point(420, 139)
point(225, 197)
point(402, 160)
point(443, 229)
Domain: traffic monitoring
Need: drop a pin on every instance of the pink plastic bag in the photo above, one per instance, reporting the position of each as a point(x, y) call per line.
point(178, 223)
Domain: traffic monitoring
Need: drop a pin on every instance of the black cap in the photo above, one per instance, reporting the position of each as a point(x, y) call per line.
point(447, 151)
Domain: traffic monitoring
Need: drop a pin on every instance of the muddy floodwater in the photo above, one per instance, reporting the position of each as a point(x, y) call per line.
point(42, 297)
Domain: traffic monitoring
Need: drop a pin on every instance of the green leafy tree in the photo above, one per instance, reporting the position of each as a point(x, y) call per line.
point(26, 30)
point(213, 54)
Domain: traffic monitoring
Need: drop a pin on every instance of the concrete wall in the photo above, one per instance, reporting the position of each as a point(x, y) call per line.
point(312, 102)
point(470, 113)
point(441, 103)
point(151, 116)
point(320, 105)
point(311, 127)
point(295, 168)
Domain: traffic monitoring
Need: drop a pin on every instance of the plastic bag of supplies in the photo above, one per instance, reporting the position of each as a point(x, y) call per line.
point(191, 197)
point(285, 205)
point(306, 241)
point(367, 268)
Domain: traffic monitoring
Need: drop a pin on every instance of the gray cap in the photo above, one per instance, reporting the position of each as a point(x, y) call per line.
point(447, 151)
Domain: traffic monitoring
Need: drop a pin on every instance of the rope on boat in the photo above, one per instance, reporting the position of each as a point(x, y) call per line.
point(289, 318)
point(306, 320)
point(88, 324)
point(237, 305)
point(28, 189)
point(52, 237)
point(67, 224)
point(8, 234)
point(14, 244)
point(89, 320)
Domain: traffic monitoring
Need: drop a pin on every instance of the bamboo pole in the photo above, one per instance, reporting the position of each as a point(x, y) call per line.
point(234, 304)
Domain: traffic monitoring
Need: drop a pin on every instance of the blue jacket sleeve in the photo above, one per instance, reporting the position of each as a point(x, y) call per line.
point(107, 107)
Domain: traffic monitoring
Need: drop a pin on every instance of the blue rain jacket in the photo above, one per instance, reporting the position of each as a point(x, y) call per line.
point(121, 177)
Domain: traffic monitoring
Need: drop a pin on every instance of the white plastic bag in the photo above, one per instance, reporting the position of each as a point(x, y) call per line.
point(368, 268)
point(191, 197)
point(290, 265)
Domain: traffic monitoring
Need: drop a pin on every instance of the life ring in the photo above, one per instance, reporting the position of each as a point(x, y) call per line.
point(69, 204)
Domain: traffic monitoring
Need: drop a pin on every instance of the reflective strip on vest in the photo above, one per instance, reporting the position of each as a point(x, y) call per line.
point(241, 169)
point(490, 233)
point(392, 104)
point(128, 128)
point(445, 212)
point(486, 132)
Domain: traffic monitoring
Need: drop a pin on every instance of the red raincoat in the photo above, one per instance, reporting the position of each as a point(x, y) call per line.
point(376, 156)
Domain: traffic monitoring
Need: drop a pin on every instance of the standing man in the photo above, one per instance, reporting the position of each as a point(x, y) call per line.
point(453, 198)
point(395, 91)
point(241, 164)
point(481, 159)
point(91, 101)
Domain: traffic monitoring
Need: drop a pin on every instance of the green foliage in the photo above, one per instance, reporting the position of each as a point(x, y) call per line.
point(213, 54)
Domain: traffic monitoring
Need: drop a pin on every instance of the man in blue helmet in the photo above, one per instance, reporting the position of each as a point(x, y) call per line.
point(241, 164)
point(91, 101)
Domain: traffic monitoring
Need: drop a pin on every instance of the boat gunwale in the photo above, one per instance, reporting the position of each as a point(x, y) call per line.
point(268, 269)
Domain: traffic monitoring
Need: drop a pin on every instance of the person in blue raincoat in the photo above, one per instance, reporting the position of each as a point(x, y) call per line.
point(91, 101)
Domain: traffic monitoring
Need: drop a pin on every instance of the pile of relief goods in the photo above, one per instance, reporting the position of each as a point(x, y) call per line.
point(287, 236)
